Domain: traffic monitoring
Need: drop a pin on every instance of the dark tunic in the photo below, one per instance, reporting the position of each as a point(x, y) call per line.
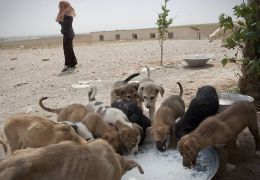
point(68, 35)
point(66, 27)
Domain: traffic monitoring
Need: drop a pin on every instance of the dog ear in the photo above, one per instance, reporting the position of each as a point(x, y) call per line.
point(123, 134)
point(192, 145)
point(134, 84)
point(118, 91)
point(65, 127)
point(140, 92)
point(160, 89)
point(139, 128)
point(107, 137)
point(198, 91)
point(128, 164)
point(182, 142)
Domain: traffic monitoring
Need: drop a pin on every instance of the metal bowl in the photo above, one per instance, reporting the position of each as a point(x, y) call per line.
point(226, 99)
point(168, 165)
point(197, 60)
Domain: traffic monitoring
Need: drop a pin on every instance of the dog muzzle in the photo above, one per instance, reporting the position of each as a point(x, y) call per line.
point(161, 146)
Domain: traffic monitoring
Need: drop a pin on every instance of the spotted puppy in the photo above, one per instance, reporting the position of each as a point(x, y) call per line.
point(134, 114)
point(129, 133)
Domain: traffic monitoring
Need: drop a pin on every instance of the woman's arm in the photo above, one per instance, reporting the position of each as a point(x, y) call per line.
point(61, 14)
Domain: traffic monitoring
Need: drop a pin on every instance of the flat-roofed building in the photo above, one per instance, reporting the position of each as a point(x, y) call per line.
point(186, 32)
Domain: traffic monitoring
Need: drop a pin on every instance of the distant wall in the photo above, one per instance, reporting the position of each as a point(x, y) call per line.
point(140, 34)
point(82, 38)
point(199, 31)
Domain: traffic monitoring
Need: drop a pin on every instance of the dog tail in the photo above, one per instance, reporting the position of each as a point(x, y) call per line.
point(4, 145)
point(181, 89)
point(57, 111)
point(148, 71)
point(92, 93)
point(131, 77)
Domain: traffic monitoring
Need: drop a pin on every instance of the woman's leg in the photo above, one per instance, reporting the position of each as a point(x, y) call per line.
point(70, 58)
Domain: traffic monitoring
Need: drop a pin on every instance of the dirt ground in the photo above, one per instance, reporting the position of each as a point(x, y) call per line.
point(27, 74)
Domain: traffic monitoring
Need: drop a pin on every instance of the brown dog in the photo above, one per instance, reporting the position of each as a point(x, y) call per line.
point(67, 161)
point(100, 129)
point(163, 125)
point(26, 130)
point(222, 128)
point(93, 121)
point(124, 90)
point(70, 112)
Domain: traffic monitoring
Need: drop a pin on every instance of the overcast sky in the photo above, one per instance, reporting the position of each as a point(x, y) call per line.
point(37, 17)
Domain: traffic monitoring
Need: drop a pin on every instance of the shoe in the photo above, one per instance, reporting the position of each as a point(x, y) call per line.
point(72, 67)
point(65, 68)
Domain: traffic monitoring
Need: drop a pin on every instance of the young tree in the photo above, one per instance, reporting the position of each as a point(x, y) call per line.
point(247, 40)
point(163, 23)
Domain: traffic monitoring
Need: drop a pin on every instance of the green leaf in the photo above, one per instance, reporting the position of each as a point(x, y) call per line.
point(230, 43)
point(224, 61)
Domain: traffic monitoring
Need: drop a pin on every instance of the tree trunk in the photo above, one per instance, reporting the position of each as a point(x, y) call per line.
point(161, 45)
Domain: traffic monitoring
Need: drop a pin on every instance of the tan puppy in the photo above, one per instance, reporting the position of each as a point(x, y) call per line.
point(70, 112)
point(148, 92)
point(163, 125)
point(130, 135)
point(222, 128)
point(95, 160)
point(26, 130)
point(124, 90)
point(4, 145)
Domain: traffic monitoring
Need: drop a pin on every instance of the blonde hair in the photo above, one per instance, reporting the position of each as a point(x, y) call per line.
point(65, 9)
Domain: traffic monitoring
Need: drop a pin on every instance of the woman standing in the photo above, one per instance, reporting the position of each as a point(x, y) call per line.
point(65, 18)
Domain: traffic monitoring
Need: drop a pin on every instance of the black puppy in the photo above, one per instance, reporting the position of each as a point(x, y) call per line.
point(134, 114)
point(204, 104)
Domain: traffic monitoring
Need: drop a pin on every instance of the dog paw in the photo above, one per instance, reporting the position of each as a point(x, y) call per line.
point(230, 167)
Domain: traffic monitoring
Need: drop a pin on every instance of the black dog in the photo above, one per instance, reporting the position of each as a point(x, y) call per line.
point(204, 104)
point(134, 114)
